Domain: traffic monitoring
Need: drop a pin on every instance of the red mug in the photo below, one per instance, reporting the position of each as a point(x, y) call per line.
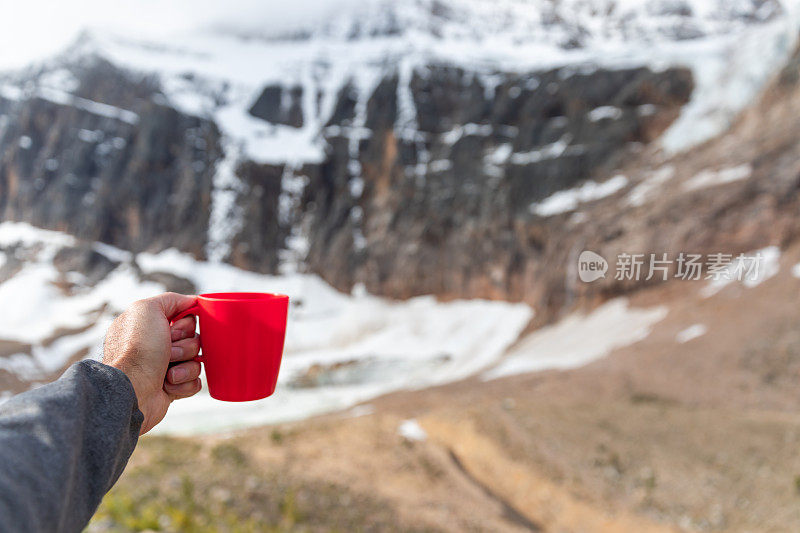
point(241, 342)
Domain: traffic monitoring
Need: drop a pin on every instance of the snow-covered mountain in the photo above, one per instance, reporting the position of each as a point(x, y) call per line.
point(419, 147)
point(566, 24)
point(496, 92)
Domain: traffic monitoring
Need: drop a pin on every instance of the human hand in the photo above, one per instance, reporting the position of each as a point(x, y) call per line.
point(141, 343)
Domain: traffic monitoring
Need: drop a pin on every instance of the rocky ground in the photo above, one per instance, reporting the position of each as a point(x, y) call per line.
point(658, 436)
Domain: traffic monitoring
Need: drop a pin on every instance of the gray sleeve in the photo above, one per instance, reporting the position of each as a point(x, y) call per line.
point(62, 447)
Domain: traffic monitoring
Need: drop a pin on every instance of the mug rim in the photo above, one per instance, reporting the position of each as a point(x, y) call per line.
point(242, 296)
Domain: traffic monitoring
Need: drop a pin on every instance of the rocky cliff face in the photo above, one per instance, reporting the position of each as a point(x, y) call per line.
point(106, 161)
point(736, 194)
point(435, 200)
point(446, 209)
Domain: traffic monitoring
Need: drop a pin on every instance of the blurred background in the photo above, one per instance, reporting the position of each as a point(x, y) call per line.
point(421, 177)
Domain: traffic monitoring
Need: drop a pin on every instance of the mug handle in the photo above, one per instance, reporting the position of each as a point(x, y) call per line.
point(193, 310)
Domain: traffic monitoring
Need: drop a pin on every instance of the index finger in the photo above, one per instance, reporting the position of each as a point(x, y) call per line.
point(173, 303)
point(183, 328)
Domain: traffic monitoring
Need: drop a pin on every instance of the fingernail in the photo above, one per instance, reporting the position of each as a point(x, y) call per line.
point(179, 374)
point(177, 352)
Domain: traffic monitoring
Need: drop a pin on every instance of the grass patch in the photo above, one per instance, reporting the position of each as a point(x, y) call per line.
point(229, 453)
point(174, 485)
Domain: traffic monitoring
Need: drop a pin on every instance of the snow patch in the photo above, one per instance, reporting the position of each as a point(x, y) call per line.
point(411, 430)
point(569, 199)
point(382, 345)
point(648, 187)
point(454, 135)
point(360, 410)
point(710, 178)
point(579, 339)
point(440, 165)
point(751, 269)
point(729, 71)
point(604, 112)
point(226, 216)
point(24, 234)
point(11, 92)
point(62, 97)
point(499, 155)
point(112, 252)
point(559, 148)
point(691, 332)
point(41, 308)
point(42, 312)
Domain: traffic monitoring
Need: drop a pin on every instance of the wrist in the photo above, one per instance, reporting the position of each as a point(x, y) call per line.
point(138, 391)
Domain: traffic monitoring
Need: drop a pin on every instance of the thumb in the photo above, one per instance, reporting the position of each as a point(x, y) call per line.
point(173, 303)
